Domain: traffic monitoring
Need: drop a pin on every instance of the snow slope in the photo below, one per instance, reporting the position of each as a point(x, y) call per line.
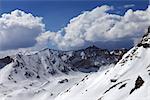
point(38, 90)
point(128, 80)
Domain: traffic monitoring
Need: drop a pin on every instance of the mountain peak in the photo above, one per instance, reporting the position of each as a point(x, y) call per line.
point(92, 47)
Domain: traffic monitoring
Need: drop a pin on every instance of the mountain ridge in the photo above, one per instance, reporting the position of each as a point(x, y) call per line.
point(118, 53)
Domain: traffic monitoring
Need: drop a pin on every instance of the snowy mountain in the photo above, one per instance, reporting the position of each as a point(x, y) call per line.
point(52, 62)
point(49, 72)
point(129, 79)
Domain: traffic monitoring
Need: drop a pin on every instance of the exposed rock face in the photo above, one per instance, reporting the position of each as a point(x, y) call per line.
point(4, 61)
point(92, 58)
point(138, 83)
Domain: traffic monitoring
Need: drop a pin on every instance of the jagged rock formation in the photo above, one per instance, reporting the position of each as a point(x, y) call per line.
point(4, 61)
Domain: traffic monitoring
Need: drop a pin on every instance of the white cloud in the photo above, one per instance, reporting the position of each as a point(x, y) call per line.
point(19, 29)
point(129, 6)
point(99, 26)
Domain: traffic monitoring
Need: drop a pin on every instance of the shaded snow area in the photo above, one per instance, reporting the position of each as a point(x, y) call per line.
point(36, 89)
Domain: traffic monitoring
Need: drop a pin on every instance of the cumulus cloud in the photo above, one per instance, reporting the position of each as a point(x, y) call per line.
point(19, 30)
point(99, 26)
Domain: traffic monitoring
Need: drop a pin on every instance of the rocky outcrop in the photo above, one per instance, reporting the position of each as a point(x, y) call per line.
point(4, 61)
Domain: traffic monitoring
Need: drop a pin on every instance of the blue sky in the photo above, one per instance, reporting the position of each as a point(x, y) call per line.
point(121, 24)
point(57, 13)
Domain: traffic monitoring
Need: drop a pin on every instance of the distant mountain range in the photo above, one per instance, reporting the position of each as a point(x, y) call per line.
point(54, 61)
